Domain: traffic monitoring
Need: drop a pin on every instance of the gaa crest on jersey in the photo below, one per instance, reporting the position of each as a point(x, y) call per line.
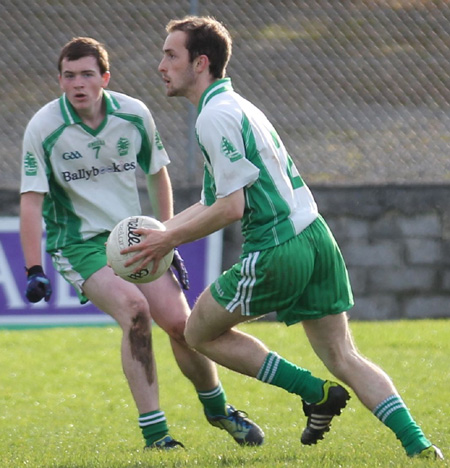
point(30, 164)
point(123, 145)
point(71, 155)
point(229, 150)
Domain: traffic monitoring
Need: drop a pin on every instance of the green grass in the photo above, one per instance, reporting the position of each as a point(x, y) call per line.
point(64, 402)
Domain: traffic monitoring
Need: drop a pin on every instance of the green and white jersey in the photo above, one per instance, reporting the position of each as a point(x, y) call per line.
point(89, 176)
point(242, 150)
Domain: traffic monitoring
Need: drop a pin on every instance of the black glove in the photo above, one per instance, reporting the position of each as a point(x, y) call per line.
point(178, 264)
point(38, 285)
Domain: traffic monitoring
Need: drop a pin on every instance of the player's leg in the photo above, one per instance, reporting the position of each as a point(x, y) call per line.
point(170, 310)
point(128, 306)
point(84, 266)
point(257, 286)
point(332, 341)
point(210, 330)
point(329, 291)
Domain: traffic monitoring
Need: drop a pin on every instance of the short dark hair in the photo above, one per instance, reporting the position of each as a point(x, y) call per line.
point(80, 47)
point(206, 36)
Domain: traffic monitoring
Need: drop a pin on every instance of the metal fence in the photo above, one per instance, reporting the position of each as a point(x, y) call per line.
point(358, 90)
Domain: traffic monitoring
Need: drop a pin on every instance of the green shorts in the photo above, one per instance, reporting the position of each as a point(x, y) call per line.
point(77, 262)
point(301, 279)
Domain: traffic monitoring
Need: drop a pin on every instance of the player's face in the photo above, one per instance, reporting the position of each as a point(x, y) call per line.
point(83, 83)
point(176, 69)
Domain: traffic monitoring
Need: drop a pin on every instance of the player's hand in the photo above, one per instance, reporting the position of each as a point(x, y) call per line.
point(180, 267)
point(38, 285)
point(153, 246)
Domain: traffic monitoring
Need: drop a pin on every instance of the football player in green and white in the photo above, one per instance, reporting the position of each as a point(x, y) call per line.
point(80, 155)
point(290, 262)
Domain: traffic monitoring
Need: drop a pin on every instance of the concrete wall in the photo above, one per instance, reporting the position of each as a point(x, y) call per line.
point(395, 240)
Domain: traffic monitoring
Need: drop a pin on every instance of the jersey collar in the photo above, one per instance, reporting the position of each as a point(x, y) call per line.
point(70, 115)
point(219, 86)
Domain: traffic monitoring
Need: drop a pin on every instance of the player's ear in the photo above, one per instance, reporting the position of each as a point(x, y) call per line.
point(201, 63)
point(106, 77)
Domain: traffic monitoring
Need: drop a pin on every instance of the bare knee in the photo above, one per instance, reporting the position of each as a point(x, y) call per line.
point(176, 331)
point(342, 362)
point(132, 311)
point(189, 335)
point(332, 341)
point(197, 339)
point(139, 330)
point(192, 336)
point(135, 321)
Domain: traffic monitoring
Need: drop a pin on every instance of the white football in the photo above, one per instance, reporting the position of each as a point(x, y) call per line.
point(123, 236)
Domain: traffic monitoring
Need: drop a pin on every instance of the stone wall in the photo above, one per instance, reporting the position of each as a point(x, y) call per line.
point(395, 240)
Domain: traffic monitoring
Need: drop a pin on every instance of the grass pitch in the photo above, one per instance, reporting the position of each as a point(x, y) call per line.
point(64, 402)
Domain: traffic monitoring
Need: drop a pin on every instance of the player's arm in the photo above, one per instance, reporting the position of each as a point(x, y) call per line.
point(207, 219)
point(31, 227)
point(160, 192)
point(185, 215)
point(161, 198)
point(154, 162)
point(38, 285)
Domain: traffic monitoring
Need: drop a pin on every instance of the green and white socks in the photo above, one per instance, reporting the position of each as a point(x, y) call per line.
point(277, 371)
point(394, 414)
point(214, 401)
point(153, 426)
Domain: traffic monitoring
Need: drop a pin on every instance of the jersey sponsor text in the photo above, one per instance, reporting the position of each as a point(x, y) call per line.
point(87, 174)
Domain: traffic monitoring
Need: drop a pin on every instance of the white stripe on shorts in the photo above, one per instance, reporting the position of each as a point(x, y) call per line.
point(244, 290)
point(65, 268)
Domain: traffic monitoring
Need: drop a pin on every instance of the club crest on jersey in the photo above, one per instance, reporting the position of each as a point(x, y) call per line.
point(229, 150)
point(30, 164)
point(123, 145)
point(158, 141)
